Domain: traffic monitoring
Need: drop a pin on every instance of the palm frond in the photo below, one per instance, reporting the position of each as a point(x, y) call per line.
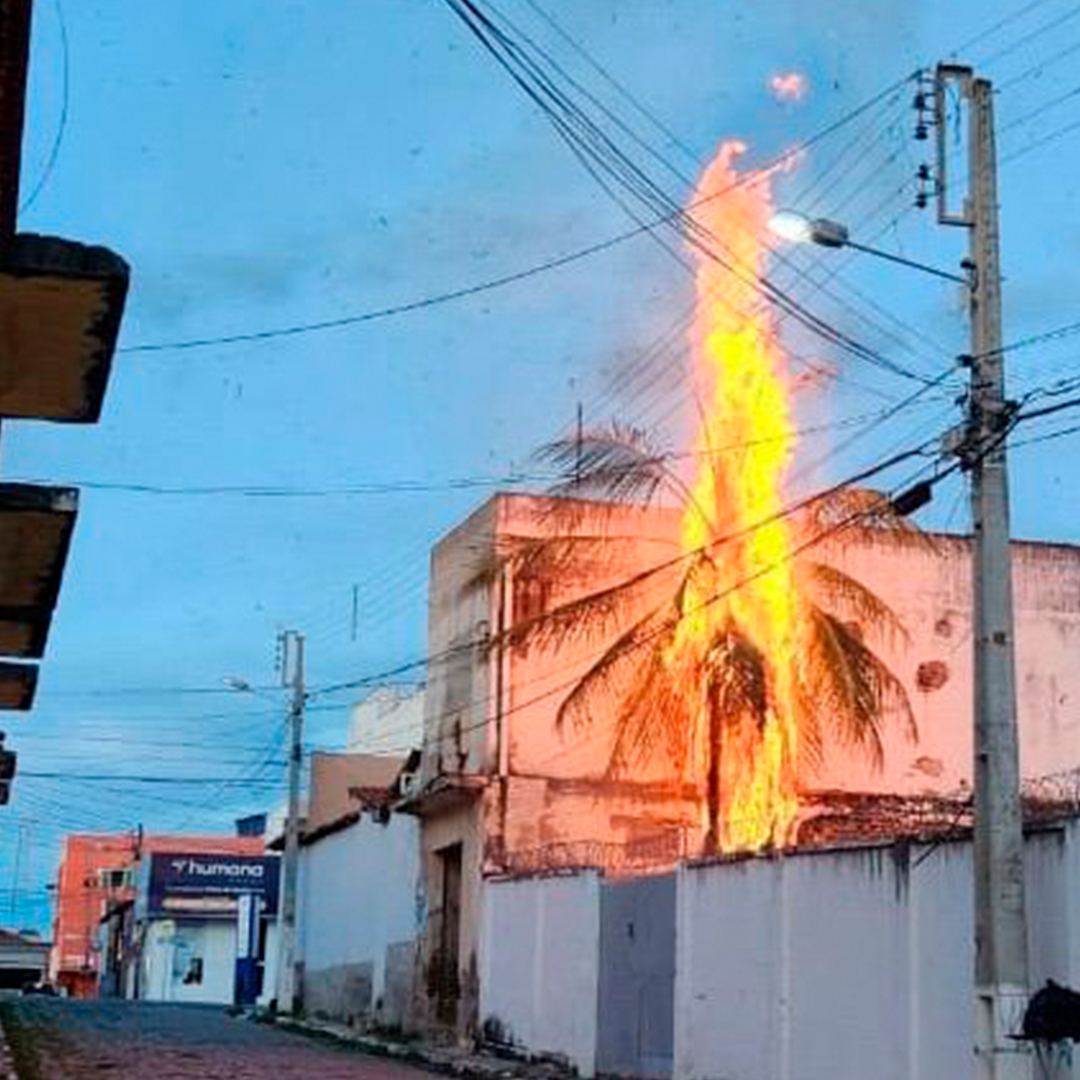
point(658, 717)
point(844, 596)
point(619, 463)
point(557, 558)
point(596, 615)
point(846, 689)
point(612, 677)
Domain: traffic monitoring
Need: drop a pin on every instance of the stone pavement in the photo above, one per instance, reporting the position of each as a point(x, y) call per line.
point(57, 1039)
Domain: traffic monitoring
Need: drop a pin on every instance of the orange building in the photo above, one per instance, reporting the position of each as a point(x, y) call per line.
point(99, 869)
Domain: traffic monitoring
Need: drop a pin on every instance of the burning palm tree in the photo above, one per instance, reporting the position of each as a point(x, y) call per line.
point(756, 659)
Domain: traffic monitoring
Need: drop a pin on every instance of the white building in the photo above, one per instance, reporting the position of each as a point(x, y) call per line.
point(359, 871)
point(389, 721)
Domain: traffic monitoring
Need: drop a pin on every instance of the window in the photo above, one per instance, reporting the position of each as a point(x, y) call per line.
point(116, 878)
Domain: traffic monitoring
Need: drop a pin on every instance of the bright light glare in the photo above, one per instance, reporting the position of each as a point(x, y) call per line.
point(789, 225)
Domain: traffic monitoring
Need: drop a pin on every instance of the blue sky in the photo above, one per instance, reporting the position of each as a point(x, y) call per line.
point(266, 165)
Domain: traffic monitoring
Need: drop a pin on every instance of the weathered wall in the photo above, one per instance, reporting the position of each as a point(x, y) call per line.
point(461, 825)
point(931, 591)
point(849, 963)
point(540, 964)
point(389, 718)
point(456, 703)
point(358, 902)
point(515, 733)
point(493, 711)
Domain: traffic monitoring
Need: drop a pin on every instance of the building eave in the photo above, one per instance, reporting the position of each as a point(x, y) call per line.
point(442, 795)
point(61, 303)
point(36, 526)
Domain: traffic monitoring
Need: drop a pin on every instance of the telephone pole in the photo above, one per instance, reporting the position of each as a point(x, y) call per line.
point(292, 673)
point(1001, 962)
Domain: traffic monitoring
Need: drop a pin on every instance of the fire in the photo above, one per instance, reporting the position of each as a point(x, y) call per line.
point(750, 594)
point(790, 86)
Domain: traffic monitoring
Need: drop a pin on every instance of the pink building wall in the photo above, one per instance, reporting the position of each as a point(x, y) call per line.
point(520, 795)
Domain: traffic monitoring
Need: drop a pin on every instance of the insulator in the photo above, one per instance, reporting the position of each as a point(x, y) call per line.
point(924, 172)
point(921, 200)
point(921, 132)
point(920, 101)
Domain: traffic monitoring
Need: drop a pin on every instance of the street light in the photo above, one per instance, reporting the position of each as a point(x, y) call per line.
point(800, 229)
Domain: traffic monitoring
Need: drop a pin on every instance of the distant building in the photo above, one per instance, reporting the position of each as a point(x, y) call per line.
point(97, 872)
point(252, 825)
point(390, 720)
point(200, 929)
point(24, 959)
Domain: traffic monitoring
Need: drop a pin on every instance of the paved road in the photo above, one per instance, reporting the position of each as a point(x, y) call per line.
point(120, 1040)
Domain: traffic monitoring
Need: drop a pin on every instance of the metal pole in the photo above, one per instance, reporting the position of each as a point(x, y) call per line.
point(286, 974)
point(1001, 963)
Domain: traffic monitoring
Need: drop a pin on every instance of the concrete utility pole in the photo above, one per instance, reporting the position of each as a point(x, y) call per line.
point(1001, 962)
point(292, 671)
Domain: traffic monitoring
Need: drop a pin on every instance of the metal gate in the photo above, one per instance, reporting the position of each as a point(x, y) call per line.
point(636, 1008)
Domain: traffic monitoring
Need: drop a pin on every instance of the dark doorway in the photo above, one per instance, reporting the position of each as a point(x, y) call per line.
point(447, 980)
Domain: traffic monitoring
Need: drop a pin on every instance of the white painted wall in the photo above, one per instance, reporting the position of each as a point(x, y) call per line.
point(849, 964)
point(539, 963)
point(167, 949)
point(389, 717)
point(359, 895)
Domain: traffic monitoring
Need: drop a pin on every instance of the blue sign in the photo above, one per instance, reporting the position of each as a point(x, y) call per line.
point(183, 885)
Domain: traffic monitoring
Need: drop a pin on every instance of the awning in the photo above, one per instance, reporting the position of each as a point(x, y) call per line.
point(36, 524)
point(60, 308)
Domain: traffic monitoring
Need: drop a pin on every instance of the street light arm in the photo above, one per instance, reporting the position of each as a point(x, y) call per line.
point(906, 262)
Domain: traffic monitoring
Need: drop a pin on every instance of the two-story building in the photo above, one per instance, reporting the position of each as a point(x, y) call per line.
point(501, 788)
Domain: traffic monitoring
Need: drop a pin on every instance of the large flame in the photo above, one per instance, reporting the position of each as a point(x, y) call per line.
point(751, 594)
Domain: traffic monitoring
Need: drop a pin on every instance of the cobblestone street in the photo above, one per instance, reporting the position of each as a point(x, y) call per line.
point(121, 1040)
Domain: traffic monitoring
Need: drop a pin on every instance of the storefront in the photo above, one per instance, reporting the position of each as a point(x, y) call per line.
point(201, 929)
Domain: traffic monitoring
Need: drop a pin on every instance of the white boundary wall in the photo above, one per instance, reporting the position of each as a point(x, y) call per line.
point(843, 965)
point(540, 963)
point(358, 900)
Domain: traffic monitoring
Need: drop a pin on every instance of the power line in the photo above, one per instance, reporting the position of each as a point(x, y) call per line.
point(141, 779)
point(61, 127)
point(513, 277)
point(1018, 43)
point(1012, 17)
point(601, 157)
point(648, 573)
point(414, 486)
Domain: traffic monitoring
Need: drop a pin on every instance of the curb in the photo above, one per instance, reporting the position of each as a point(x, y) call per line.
point(448, 1063)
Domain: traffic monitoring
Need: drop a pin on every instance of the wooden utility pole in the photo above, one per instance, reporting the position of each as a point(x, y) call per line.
point(292, 644)
point(1001, 962)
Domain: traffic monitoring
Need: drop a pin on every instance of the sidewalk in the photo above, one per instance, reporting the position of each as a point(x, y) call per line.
point(449, 1060)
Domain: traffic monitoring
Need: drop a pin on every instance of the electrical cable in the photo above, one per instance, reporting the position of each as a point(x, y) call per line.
point(1007, 50)
point(61, 127)
point(500, 281)
point(595, 150)
point(648, 573)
